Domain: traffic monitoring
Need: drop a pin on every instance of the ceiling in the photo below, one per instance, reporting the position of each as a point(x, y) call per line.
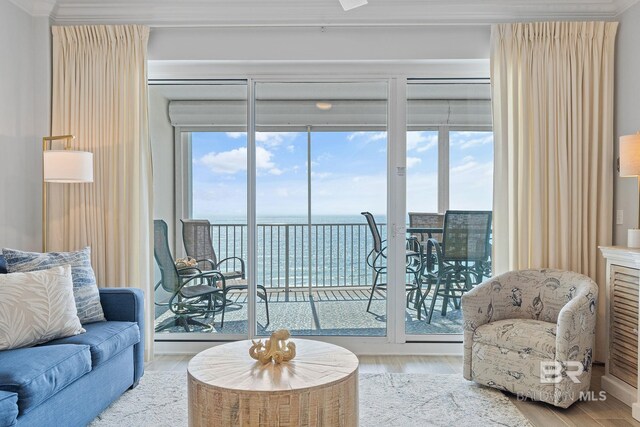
point(317, 12)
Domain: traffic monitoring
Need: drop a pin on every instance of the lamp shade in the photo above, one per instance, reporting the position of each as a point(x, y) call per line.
point(630, 155)
point(67, 166)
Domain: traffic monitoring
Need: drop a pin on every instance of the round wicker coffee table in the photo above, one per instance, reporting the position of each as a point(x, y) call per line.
point(317, 388)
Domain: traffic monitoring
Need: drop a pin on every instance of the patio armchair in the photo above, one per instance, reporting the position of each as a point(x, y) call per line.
point(532, 333)
point(189, 297)
point(196, 236)
point(377, 260)
point(458, 262)
point(426, 220)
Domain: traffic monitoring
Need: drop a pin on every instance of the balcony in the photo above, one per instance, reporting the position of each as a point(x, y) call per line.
point(317, 281)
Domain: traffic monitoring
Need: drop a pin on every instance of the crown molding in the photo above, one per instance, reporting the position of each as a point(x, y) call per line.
point(36, 7)
point(229, 13)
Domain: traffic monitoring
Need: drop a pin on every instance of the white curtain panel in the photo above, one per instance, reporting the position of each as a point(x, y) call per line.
point(552, 95)
point(100, 96)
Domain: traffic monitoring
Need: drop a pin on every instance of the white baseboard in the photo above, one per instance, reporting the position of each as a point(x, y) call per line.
point(621, 391)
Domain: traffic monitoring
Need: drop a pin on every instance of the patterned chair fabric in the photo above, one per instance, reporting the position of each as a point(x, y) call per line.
point(515, 322)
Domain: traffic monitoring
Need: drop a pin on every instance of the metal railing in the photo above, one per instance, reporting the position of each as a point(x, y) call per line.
point(337, 257)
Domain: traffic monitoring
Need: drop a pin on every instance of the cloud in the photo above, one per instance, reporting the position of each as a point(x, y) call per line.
point(321, 175)
point(471, 185)
point(206, 200)
point(468, 163)
point(324, 157)
point(268, 139)
point(367, 136)
point(274, 139)
point(421, 141)
point(282, 192)
point(466, 140)
point(413, 161)
point(236, 135)
point(234, 161)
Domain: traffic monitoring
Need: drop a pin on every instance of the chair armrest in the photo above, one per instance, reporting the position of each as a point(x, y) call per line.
point(212, 274)
point(127, 304)
point(232, 258)
point(575, 339)
point(576, 328)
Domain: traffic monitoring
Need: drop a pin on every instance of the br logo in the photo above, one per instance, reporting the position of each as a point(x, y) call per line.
point(552, 372)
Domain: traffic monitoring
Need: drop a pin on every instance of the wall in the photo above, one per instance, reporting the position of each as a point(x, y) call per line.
point(627, 114)
point(314, 43)
point(24, 112)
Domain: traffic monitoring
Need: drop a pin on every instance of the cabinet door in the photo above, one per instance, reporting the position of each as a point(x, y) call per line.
point(623, 336)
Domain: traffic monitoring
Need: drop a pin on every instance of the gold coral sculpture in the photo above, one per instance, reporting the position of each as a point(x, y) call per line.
point(274, 349)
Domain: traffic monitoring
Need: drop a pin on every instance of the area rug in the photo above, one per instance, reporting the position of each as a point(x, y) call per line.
point(385, 400)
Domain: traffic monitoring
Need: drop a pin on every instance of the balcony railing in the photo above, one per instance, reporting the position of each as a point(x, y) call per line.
point(337, 257)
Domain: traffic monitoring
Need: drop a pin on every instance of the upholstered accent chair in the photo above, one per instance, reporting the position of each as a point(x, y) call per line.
point(532, 332)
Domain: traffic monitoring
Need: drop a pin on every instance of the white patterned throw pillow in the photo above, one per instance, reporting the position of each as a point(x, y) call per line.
point(85, 288)
point(37, 307)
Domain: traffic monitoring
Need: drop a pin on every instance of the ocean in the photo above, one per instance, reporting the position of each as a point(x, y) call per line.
point(285, 258)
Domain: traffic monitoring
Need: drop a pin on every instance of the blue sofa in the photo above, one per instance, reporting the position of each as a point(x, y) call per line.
point(69, 381)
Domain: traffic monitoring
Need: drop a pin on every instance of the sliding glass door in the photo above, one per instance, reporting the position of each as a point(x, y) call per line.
point(449, 158)
point(199, 139)
point(300, 185)
point(321, 160)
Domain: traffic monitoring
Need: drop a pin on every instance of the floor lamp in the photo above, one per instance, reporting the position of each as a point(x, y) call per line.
point(630, 166)
point(64, 166)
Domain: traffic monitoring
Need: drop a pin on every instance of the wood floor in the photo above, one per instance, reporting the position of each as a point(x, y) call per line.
point(609, 412)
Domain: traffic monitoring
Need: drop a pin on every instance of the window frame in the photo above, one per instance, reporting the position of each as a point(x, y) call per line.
point(396, 341)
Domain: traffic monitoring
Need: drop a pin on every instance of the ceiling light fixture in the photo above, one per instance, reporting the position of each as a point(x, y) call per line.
point(352, 4)
point(323, 105)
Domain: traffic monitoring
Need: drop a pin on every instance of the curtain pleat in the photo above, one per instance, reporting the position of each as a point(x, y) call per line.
point(100, 96)
point(552, 99)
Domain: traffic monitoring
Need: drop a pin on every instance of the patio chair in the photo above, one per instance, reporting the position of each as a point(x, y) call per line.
point(188, 298)
point(377, 260)
point(458, 262)
point(427, 220)
point(196, 236)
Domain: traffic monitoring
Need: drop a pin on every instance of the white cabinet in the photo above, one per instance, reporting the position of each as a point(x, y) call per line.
point(623, 285)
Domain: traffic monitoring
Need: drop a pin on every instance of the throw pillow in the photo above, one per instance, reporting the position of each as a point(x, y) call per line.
point(85, 289)
point(37, 307)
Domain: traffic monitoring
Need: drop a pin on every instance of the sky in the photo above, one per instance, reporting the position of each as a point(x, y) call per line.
point(348, 173)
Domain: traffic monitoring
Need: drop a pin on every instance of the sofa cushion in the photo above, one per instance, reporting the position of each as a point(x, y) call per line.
point(8, 408)
point(37, 307)
point(526, 336)
point(85, 289)
point(37, 373)
point(105, 339)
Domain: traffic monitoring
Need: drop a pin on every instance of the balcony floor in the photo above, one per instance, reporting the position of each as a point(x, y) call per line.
point(324, 312)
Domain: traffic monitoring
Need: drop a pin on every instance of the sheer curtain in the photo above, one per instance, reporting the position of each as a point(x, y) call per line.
point(100, 96)
point(552, 90)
